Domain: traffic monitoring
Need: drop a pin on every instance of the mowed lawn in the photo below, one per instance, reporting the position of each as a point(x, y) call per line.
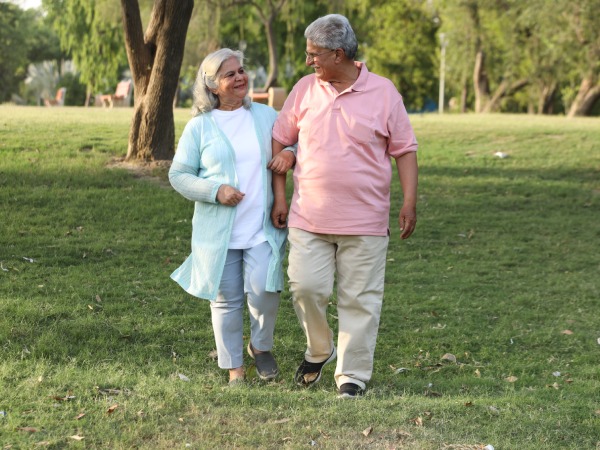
point(490, 332)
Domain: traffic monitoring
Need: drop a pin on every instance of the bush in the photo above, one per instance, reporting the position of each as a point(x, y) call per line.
point(76, 92)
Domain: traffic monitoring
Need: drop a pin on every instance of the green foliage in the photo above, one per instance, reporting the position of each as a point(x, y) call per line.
point(44, 44)
point(25, 39)
point(14, 26)
point(92, 33)
point(501, 265)
point(76, 91)
point(402, 47)
point(552, 45)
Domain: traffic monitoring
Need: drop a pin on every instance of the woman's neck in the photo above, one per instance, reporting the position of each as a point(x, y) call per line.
point(225, 105)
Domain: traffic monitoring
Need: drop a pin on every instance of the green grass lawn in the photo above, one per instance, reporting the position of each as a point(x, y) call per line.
point(490, 331)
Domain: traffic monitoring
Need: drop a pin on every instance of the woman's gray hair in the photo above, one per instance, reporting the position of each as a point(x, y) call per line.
point(333, 31)
point(208, 78)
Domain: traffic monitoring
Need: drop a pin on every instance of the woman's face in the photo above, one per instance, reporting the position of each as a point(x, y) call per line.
point(233, 81)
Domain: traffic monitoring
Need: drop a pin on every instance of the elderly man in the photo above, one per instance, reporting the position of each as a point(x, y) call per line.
point(348, 124)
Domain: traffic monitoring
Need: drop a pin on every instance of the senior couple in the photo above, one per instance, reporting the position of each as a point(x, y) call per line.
point(339, 128)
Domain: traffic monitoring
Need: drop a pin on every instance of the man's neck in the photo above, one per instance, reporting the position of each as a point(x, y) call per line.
point(348, 75)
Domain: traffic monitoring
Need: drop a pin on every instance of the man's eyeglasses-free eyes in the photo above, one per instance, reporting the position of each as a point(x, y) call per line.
point(312, 56)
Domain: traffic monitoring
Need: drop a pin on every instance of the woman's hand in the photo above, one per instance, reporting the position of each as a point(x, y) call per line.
point(228, 195)
point(282, 162)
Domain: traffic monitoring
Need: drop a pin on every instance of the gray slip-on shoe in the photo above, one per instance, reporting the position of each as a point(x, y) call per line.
point(266, 366)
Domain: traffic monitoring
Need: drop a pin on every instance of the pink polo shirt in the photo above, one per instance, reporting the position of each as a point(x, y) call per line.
point(345, 141)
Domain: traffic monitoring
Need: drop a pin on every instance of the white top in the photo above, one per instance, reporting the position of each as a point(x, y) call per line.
point(238, 127)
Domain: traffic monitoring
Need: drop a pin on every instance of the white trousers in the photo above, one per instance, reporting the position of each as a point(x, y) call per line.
point(244, 275)
point(359, 263)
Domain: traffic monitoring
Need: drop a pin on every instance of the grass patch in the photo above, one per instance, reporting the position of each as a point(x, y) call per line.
point(502, 274)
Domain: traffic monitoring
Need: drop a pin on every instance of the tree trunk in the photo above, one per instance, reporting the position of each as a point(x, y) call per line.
point(588, 95)
point(267, 14)
point(155, 62)
point(272, 45)
point(464, 95)
point(504, 90)
point(481, 85)
point(480, 82)
point(546, 100)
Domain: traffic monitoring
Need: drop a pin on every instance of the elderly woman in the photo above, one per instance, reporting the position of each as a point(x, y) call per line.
point(221, 165)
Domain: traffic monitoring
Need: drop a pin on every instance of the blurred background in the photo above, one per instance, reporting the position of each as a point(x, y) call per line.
point(537, 57)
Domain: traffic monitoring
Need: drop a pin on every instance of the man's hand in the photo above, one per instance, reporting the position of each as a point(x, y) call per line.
point(228, 195)
point(407, 221)
point(279, 213)
point(282, 162)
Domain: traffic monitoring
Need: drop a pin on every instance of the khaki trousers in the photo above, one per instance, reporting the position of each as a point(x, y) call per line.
point(359, 264)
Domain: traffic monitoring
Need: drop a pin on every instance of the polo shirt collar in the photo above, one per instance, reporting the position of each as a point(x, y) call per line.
point(361, 82)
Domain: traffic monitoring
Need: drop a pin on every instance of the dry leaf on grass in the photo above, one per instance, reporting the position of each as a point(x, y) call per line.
point(28, 429)
point(112, 409)
point(568, 332)
point(112, 391)
point(430, 393)
point(511, 379)
point(62, 399)
point(367, 431)
point(80, 416)
point(281, 421)
point(77, 437)
point(418, 421)
point(449, 357)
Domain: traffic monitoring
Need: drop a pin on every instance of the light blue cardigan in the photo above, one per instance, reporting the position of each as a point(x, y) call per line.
point(204, 161)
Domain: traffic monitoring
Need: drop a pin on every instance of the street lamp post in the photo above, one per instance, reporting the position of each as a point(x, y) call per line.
point(443, 44)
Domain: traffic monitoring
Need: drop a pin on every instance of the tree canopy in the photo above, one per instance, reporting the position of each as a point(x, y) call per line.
point(92, 33)
point(501, 55)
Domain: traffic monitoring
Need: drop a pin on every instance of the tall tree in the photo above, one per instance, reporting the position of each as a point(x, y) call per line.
point(155, 62)
point(495, 51)
point(14, 45)
point(268, 12)
point(89, 31)
point(409, 58)
point(584, 24)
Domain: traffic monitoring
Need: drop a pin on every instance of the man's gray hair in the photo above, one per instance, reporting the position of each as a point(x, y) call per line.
point(333, 31)
point(208, 78)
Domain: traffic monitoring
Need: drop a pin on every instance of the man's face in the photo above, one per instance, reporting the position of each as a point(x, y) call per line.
point(321, 59)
